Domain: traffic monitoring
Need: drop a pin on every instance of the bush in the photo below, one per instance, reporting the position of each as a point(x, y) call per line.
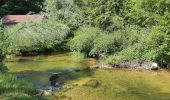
point(84, 39)
point(107, 43)
point(150, 45)
point(66, 11)
point(36, 37)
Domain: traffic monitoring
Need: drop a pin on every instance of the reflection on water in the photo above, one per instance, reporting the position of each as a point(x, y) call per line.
point(38, 69)
point(112, 84)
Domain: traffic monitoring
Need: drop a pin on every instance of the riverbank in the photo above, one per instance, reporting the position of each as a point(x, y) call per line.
point(13, 89)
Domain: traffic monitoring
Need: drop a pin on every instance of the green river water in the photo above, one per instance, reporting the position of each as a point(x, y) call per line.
point(114, 84)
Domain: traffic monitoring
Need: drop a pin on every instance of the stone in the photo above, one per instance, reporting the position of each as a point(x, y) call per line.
point(77, 70)
point(46, 92)
point(154, 66)
point(54, 76)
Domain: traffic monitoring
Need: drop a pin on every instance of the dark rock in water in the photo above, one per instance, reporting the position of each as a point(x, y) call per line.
point(77, 70)
point(55, 84)
point(54, 76)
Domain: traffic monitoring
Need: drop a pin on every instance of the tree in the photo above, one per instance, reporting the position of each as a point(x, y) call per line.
point(20, 6)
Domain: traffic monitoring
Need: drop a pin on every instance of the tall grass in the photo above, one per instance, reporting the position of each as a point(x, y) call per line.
point(13, 89)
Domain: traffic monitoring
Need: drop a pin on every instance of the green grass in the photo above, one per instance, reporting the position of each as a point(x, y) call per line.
point(13, 89)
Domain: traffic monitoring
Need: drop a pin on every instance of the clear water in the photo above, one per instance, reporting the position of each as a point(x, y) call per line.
point(122, 84)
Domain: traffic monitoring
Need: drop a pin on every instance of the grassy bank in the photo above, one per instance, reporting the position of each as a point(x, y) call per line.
point(13, 89)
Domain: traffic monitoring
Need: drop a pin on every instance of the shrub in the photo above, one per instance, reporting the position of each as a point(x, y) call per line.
point(84, 39)
point(66, 10)
point(35, 36)
point(150, 45)
point(107, 43)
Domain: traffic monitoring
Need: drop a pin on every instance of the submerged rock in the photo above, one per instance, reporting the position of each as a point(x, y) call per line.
point(54, 76)
point(77, 70)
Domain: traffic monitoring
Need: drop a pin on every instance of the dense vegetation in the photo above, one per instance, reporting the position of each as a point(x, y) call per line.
point(10, 87)
point(20, 6)
point(34, 37)
point(121, 29)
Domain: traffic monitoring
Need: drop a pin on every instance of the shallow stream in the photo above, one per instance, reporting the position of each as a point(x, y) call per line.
point(115, 84)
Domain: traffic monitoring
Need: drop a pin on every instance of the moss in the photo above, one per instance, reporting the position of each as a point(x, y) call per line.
point(91, 83)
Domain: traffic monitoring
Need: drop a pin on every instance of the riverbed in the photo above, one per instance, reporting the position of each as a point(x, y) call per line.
point(100, 84)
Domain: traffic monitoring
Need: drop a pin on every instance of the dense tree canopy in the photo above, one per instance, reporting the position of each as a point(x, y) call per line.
point(20, 6)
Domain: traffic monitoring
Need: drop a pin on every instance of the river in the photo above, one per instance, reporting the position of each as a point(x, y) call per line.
point(113, 84)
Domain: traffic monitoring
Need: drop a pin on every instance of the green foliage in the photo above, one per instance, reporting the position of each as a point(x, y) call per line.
point(1, 42)
point(152, 45)
point(20, 6)
point(66, 11)
point(3, 68)
point(104, 14)
point(34, 36)
point(107, 43)
point(146, 13)
point(84, 39)
point(126, 29)
point(113, 60)
point(13, 89)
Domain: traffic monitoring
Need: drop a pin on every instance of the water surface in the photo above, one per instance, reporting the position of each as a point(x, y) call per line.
point(122, 84)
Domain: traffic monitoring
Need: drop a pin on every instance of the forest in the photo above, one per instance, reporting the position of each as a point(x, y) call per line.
point(120, 30)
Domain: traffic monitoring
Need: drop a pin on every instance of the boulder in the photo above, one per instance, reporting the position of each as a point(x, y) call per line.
point(154, 66)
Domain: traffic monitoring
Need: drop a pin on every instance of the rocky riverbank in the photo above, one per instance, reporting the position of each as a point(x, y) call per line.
point(134, 64)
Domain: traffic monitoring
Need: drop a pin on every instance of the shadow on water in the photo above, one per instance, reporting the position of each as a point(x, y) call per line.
point(40, 79)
